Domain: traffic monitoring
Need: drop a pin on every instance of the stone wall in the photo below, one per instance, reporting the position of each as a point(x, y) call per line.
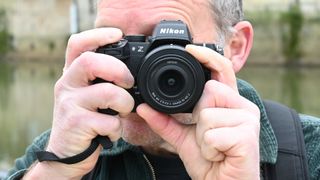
point(40, 29)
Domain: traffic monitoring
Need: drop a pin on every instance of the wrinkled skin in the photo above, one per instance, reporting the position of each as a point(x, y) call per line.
point(219, 140)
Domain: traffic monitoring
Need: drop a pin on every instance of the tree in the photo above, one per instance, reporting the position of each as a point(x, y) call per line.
point(290, 27)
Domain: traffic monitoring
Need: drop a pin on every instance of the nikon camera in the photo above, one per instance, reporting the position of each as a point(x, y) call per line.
point(167, 77)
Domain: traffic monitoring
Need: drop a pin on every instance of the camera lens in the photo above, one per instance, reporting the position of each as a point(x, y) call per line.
point(170, 80)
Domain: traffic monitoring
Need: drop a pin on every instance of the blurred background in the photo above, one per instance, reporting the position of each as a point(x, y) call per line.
point(284, 64)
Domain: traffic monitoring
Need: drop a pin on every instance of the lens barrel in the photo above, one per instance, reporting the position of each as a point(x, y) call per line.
point(170, 79)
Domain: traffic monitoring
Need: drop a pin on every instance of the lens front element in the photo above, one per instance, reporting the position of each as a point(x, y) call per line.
point(171, 81)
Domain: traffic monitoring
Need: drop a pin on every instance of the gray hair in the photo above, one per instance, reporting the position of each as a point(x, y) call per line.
point(226, 14)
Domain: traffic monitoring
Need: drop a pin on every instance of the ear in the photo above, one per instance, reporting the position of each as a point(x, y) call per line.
point(240, 44)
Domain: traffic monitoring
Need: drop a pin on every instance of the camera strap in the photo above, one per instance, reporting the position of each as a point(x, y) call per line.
point(49, 156)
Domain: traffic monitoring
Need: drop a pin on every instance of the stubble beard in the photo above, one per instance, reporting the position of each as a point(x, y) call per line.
point(137, 132)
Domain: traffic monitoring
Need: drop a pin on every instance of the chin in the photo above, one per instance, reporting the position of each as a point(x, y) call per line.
point(183, 118)
point(137, 132)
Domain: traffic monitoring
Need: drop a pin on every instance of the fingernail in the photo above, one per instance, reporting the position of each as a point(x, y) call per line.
point(114, 33)
point(190, 46)
point(193, 48)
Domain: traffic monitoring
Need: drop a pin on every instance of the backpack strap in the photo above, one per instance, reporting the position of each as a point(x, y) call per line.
point(291, 162)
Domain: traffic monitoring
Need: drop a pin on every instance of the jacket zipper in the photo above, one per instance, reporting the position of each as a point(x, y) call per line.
point(150, 166)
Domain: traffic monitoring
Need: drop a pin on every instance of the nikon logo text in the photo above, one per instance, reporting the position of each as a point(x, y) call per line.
point(171, 31)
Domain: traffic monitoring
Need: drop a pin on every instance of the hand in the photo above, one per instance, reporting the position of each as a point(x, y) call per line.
point(224, 142)
point(76, 120)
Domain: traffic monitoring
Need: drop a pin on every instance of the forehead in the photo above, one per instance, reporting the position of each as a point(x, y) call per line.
point(140, 16)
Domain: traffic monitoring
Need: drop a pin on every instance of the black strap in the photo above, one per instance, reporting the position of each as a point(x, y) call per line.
point(291, 162)
point(49, 156)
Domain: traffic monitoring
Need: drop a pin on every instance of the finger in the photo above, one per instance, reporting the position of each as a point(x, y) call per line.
point(233, 142)
point(212, 147)
point(107, 95)
point(89, 41)
point(219, 95)
point(101, 124)
point(90, 66)
point(102, 95)
point(211, 153)
point(87, 125)
point(165, 126)
point(221, 67)
point(212, 118)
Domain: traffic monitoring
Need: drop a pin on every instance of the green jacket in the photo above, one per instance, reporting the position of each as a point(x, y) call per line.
point(125, 161)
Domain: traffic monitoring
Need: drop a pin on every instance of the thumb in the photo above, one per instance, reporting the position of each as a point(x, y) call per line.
point(164, 125)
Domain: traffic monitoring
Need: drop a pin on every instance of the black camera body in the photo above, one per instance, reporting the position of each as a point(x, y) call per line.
point(167, 77)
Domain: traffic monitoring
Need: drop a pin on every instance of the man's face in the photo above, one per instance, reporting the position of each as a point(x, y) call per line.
point(140, 17)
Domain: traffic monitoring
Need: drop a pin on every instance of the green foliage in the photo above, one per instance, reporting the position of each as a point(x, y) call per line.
point(51, 46)
point(4, 42)
point(262, 18)
point(5, 38)
point(291, 23)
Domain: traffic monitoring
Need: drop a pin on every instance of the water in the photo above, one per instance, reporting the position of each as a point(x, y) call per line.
point(26, 98)
point(298, 88)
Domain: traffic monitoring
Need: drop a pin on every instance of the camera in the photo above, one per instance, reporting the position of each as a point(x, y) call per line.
point(167, 77)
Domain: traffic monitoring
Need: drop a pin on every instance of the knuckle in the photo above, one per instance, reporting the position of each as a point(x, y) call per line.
point(121, 72)
point(210, 86)
point(73, 41)
point(65, 104)
point(85, 61)
point(59, 87)
point(203, 115)
point(107, 91)
point(61, 91)
point(115, 124)
point(208, 139)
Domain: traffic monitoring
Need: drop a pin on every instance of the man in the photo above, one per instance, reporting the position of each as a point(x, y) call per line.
point(226, 137)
